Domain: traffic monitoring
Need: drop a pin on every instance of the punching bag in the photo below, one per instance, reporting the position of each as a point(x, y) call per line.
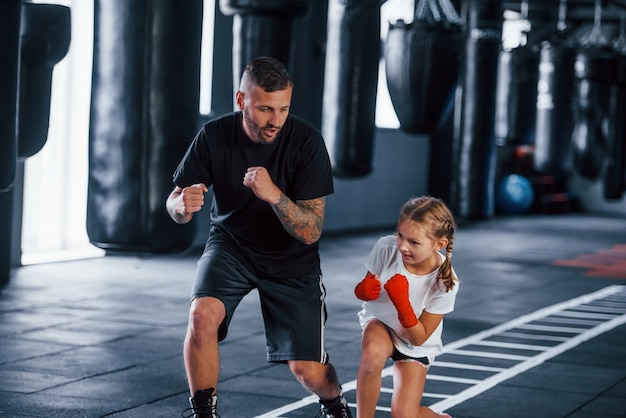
point(262, 28)
point(475, 127)
point(144, 114)
point(516, 95)
point(614, 175)
point(350, 85)
point(555, 120)
point(44, 41)
point(595, 70)
point(10, 11)
point(421, 65)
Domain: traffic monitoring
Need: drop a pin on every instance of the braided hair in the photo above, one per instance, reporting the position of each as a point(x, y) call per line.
point(432, 213)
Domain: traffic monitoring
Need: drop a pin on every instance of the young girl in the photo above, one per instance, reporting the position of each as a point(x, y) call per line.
point(408, 288)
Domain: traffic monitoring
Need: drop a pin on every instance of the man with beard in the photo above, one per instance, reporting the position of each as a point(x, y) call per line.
point(270, 173)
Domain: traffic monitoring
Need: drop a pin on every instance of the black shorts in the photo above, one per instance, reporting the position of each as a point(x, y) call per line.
point(294, 309)
point(398, 356)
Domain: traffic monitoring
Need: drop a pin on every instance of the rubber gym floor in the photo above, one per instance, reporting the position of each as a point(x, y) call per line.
point(538, 330)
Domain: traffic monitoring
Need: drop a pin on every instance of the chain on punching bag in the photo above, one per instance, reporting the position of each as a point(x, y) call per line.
point(351, 77)
point(144, 114)
point(421, 65)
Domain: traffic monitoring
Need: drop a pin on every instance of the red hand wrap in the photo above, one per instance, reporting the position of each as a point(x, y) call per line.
point(398, 289)
point(368, 288)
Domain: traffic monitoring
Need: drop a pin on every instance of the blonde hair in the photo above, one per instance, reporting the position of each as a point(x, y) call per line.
point(432, 213)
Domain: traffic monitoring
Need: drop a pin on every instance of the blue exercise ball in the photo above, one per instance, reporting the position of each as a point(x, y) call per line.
point(514, 195)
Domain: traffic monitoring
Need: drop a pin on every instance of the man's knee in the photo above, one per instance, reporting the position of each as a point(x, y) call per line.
point(206, 314)
point(312, 373)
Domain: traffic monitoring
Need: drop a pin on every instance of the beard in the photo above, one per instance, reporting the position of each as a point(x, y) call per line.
point(259, 131)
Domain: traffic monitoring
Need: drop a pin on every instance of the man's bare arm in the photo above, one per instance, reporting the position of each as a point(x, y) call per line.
point(304, 219)
point(182, 203)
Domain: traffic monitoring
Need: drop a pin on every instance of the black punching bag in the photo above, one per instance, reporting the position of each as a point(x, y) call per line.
point(555, 118)
point(516, 95)
point(44, 41)
point(422, 65)
point(614, 175)
point(350, 85)
point(262, 28)
point(595, 70)
point(144, 114)
point(10, 11)
point(475, 131)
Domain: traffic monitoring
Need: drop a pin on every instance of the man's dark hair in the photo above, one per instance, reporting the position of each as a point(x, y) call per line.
point(268, 73)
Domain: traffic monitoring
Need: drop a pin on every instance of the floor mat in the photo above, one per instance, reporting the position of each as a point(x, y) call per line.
point(608, 262)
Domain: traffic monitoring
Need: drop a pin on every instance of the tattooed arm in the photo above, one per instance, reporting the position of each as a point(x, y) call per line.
point(302, 219)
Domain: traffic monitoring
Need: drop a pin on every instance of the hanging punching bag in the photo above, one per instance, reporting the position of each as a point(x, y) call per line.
point(595, 70)
point(10, 11)
point(144, 114)
point(516, 95)
point(421, 65)
point(262, 28)
point(475, 136)
point(350, 85)
point(555, 121)
point(614, 175)
point(44, 41)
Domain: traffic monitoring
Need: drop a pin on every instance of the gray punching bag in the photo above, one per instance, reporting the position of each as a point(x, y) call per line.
point(350, 85)
point(144, 114)
point(44, 41)
point(422, 65)
point(475, 126)
point(262, 28)
point(10, 11)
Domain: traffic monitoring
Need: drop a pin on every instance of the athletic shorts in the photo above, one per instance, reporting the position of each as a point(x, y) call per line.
point(294, 310)
point(398, 356)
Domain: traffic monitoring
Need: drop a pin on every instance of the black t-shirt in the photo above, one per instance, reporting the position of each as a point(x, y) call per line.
point(298, 164)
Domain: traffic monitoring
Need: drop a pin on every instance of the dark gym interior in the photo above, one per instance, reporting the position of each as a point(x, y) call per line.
point(513, 112)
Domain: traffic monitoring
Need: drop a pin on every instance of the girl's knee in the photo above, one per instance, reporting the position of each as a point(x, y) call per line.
point(373, 357)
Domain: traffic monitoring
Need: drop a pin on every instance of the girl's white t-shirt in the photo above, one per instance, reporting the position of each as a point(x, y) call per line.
point(425, 294)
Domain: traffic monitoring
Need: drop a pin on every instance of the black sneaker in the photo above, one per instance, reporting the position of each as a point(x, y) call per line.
point(203, 405)
point(337, 408)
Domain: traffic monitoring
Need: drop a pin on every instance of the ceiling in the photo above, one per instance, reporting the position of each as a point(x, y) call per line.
point(576, 10)
point(579, 16)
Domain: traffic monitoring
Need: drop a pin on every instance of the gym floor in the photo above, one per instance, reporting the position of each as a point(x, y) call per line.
point(538, 330)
